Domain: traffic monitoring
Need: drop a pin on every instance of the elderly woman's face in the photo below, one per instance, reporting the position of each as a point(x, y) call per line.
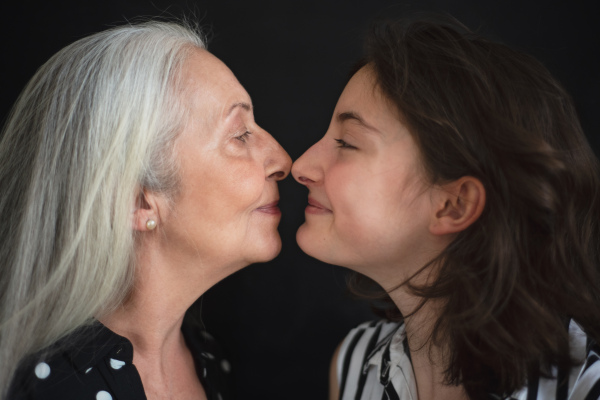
point(369, 203)
point(226, 212)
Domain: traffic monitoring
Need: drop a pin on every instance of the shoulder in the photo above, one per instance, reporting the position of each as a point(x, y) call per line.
point(49, 378)
point(581, 382)
point(372, 332)
point(92, 363)
point(360, 343)
point(214, 370)
point(585, 380)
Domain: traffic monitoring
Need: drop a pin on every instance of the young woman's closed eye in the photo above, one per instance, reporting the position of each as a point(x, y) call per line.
point(474, 211)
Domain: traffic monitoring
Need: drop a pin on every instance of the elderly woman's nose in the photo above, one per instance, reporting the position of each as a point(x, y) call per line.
point(278, 161)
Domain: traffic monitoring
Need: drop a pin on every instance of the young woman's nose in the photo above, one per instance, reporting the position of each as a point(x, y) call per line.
point(308, 168)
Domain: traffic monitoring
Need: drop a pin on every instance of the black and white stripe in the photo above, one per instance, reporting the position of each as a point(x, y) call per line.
point(374, 364)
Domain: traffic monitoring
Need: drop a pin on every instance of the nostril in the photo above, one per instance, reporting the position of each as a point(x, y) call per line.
point(277, 175)
point(303, 179)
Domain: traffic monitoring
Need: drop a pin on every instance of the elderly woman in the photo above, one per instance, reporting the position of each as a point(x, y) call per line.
point(455, 175)
point(133, 177)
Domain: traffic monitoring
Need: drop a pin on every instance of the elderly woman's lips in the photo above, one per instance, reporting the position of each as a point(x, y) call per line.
point(270, 208)
point(314, 207)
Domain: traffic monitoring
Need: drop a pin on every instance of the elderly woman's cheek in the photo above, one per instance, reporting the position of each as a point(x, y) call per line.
point(245, 184)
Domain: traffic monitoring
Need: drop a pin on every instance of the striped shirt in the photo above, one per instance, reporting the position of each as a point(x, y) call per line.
point(374, 364)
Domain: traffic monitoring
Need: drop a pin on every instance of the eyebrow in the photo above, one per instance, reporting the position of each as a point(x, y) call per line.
point(245, 106)
point(354, 116)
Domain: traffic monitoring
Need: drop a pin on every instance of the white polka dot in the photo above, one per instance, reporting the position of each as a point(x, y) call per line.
point(103, 395)
point(116, 364)
point(225, 366)
point(208, 355)
point(88, 370)
point(42, 370)
point(204, 372)
point(219, 396)
point(206, 335)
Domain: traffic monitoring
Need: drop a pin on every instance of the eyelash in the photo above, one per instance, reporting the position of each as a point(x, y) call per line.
point(243, 136)
point(343, 145)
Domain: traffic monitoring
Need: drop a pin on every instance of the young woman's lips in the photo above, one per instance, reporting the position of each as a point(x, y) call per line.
point(314, 207)
point(271, 208)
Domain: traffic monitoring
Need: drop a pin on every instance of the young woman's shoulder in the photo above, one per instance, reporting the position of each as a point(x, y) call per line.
point(365, 338)
point(582, 382)
point(587, 384)
point(367, 357)
point(356, 370)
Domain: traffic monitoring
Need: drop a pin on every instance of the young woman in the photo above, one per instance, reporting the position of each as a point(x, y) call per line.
point(133, 177)
point(455, 175)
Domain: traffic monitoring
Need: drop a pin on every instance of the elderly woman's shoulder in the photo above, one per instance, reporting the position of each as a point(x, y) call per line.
point(97, 364)
point(92, 363)
point(55, 378)
point(212, 365)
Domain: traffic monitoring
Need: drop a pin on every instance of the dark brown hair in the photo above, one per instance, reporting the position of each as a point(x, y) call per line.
point(513, 279)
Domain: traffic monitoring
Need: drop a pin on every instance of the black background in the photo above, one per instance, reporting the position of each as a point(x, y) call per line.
point(280, 321)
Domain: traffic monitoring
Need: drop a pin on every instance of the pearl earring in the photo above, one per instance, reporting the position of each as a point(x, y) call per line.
point(150, 224)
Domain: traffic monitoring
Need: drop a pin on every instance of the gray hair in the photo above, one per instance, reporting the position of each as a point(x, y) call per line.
point(93, 127)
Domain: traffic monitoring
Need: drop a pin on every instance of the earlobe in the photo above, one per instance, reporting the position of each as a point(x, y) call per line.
point(460, 204)
point(150, 224)
point(145, 215)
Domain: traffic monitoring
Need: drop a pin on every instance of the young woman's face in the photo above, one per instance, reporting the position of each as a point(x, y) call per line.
point(369, 203)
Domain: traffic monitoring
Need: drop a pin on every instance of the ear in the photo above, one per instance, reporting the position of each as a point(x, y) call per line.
point(459, 204)
point(146, 209)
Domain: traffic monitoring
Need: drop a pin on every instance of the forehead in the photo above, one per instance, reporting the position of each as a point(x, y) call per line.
point(207, 80)
point(363, 95)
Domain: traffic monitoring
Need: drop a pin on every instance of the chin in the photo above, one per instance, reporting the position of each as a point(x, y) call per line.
point(267, 251)
point(315, 248)
point(303, 239)
point(325, 248)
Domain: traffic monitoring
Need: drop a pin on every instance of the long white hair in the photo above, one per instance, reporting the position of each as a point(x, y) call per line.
point(93, 127)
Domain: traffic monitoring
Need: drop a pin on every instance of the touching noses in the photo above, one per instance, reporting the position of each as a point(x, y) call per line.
point(278, 162)
point(306, 169)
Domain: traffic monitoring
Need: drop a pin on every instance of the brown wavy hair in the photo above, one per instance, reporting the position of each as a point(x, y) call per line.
point(513, 279)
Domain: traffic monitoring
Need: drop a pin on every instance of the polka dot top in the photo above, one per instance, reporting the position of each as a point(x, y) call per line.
point(95, 363)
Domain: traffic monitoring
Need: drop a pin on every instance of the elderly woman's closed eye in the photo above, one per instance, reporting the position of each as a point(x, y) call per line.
point(133, 178)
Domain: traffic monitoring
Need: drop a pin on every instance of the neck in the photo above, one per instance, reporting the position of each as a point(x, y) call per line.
point(165, 287)
point(151, 317)
point(153, 328)
point(429, 364)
